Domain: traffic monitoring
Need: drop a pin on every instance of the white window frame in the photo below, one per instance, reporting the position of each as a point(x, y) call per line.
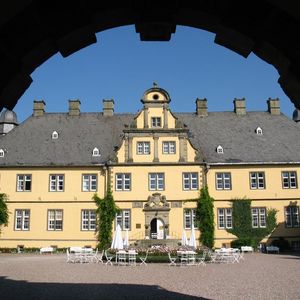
point(259, 217)
point(289, 179)
point(54, 135)
point(22, 181)
point(96, 152)
point(89, 182)
point(1, 153)
point(292, 216)
point(223, 181)
point(143, 148)
point(189, 218)
point(259, 131)
point(56, 182)
point(169, 147)
point(257, 180)
point(88, 220)
point(22, 219)
point(55, 220)
point(123, 182)
point(220, 149)
point(156, 122)
point(123, 218)
point(190, 181)
point(156, 181)
point(225, 218)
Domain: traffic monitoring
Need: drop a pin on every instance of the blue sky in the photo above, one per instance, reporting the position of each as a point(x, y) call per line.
point(121, 67)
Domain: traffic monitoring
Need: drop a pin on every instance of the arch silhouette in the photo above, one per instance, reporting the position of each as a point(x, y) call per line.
point(32, 31)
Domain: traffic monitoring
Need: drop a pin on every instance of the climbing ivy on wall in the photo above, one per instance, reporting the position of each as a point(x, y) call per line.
point(3, 210)
point(205, 217)
point(106, 213)
point(242, 223)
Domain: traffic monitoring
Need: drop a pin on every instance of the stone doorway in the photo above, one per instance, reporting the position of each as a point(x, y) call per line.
point(156, 217)
point(157, 229)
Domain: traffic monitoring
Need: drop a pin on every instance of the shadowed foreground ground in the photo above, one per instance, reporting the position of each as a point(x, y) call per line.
point(259, 276)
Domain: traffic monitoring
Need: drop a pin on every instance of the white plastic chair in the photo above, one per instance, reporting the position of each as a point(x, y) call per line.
point(201, 259)
point(109, 258)
point(144, 258)
point(172, 260)
point(132, 257)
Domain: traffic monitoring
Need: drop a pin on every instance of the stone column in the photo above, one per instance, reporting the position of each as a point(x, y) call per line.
point(146, 119)
point(165, 116)
point(130, 159)
point(155, 159)
point(182, 149)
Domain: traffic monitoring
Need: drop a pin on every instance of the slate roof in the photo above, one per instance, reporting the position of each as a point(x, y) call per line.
point(279, 143)
point(30, 144)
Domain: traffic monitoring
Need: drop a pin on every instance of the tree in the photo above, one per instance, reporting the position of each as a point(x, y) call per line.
point(242, 223)
point(205, 217)
point(3, 210)
point(106, 213)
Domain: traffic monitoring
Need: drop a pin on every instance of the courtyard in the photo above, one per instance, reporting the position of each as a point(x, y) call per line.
point(259, 276)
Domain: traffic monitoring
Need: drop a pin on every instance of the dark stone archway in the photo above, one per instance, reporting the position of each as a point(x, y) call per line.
point(33, 31)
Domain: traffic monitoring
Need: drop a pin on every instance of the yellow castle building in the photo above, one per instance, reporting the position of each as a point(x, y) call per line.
point(155, 163)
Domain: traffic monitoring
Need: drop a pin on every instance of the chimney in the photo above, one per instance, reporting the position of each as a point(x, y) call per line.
point(239, 106)
point(274, 106)
point(201, 107)
point(74, 107)
point(38, 108)
point(108, 107)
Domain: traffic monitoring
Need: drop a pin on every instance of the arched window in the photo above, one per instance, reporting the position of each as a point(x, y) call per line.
point(54, 135)
point(1, 153)
point(220, 149)
point(259, 131)
point(96, 152)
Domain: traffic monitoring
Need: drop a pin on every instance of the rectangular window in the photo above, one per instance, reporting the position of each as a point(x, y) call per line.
point(225, 218)
point(24, 183)
point(292, 216)
point(156, 181)
point(56, 183)
point(257, 180)
point(123, 182)
point(156, 122)
point(143, 148)
point(89, 182)
point(22, 218)
point(289, 179)
point(88, 220)
point(258, 217)
point(189, 218)
point(223, 181)
point(55, 219)
point(169, 147)
point(190, 181)
point(123, 218)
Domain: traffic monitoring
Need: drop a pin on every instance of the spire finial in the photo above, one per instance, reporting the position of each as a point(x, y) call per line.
point(155, 84)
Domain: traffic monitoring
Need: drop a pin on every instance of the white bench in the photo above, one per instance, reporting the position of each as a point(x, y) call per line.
point(272, 249)
point(247, 249)
point(44, 250)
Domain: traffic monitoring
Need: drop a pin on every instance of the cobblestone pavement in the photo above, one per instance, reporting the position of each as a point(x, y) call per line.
point(259, 276)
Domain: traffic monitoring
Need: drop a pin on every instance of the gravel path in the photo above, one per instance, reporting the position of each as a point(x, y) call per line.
point(259, 276)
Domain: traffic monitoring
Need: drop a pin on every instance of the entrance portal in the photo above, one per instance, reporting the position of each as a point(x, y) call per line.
point(157, 229)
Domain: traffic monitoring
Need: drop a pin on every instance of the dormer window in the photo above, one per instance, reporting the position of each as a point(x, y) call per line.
point(54, 135)
point(220, 149)
point(96, 152)
point(1, 153)
point(259, 131)
point(156, 122)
